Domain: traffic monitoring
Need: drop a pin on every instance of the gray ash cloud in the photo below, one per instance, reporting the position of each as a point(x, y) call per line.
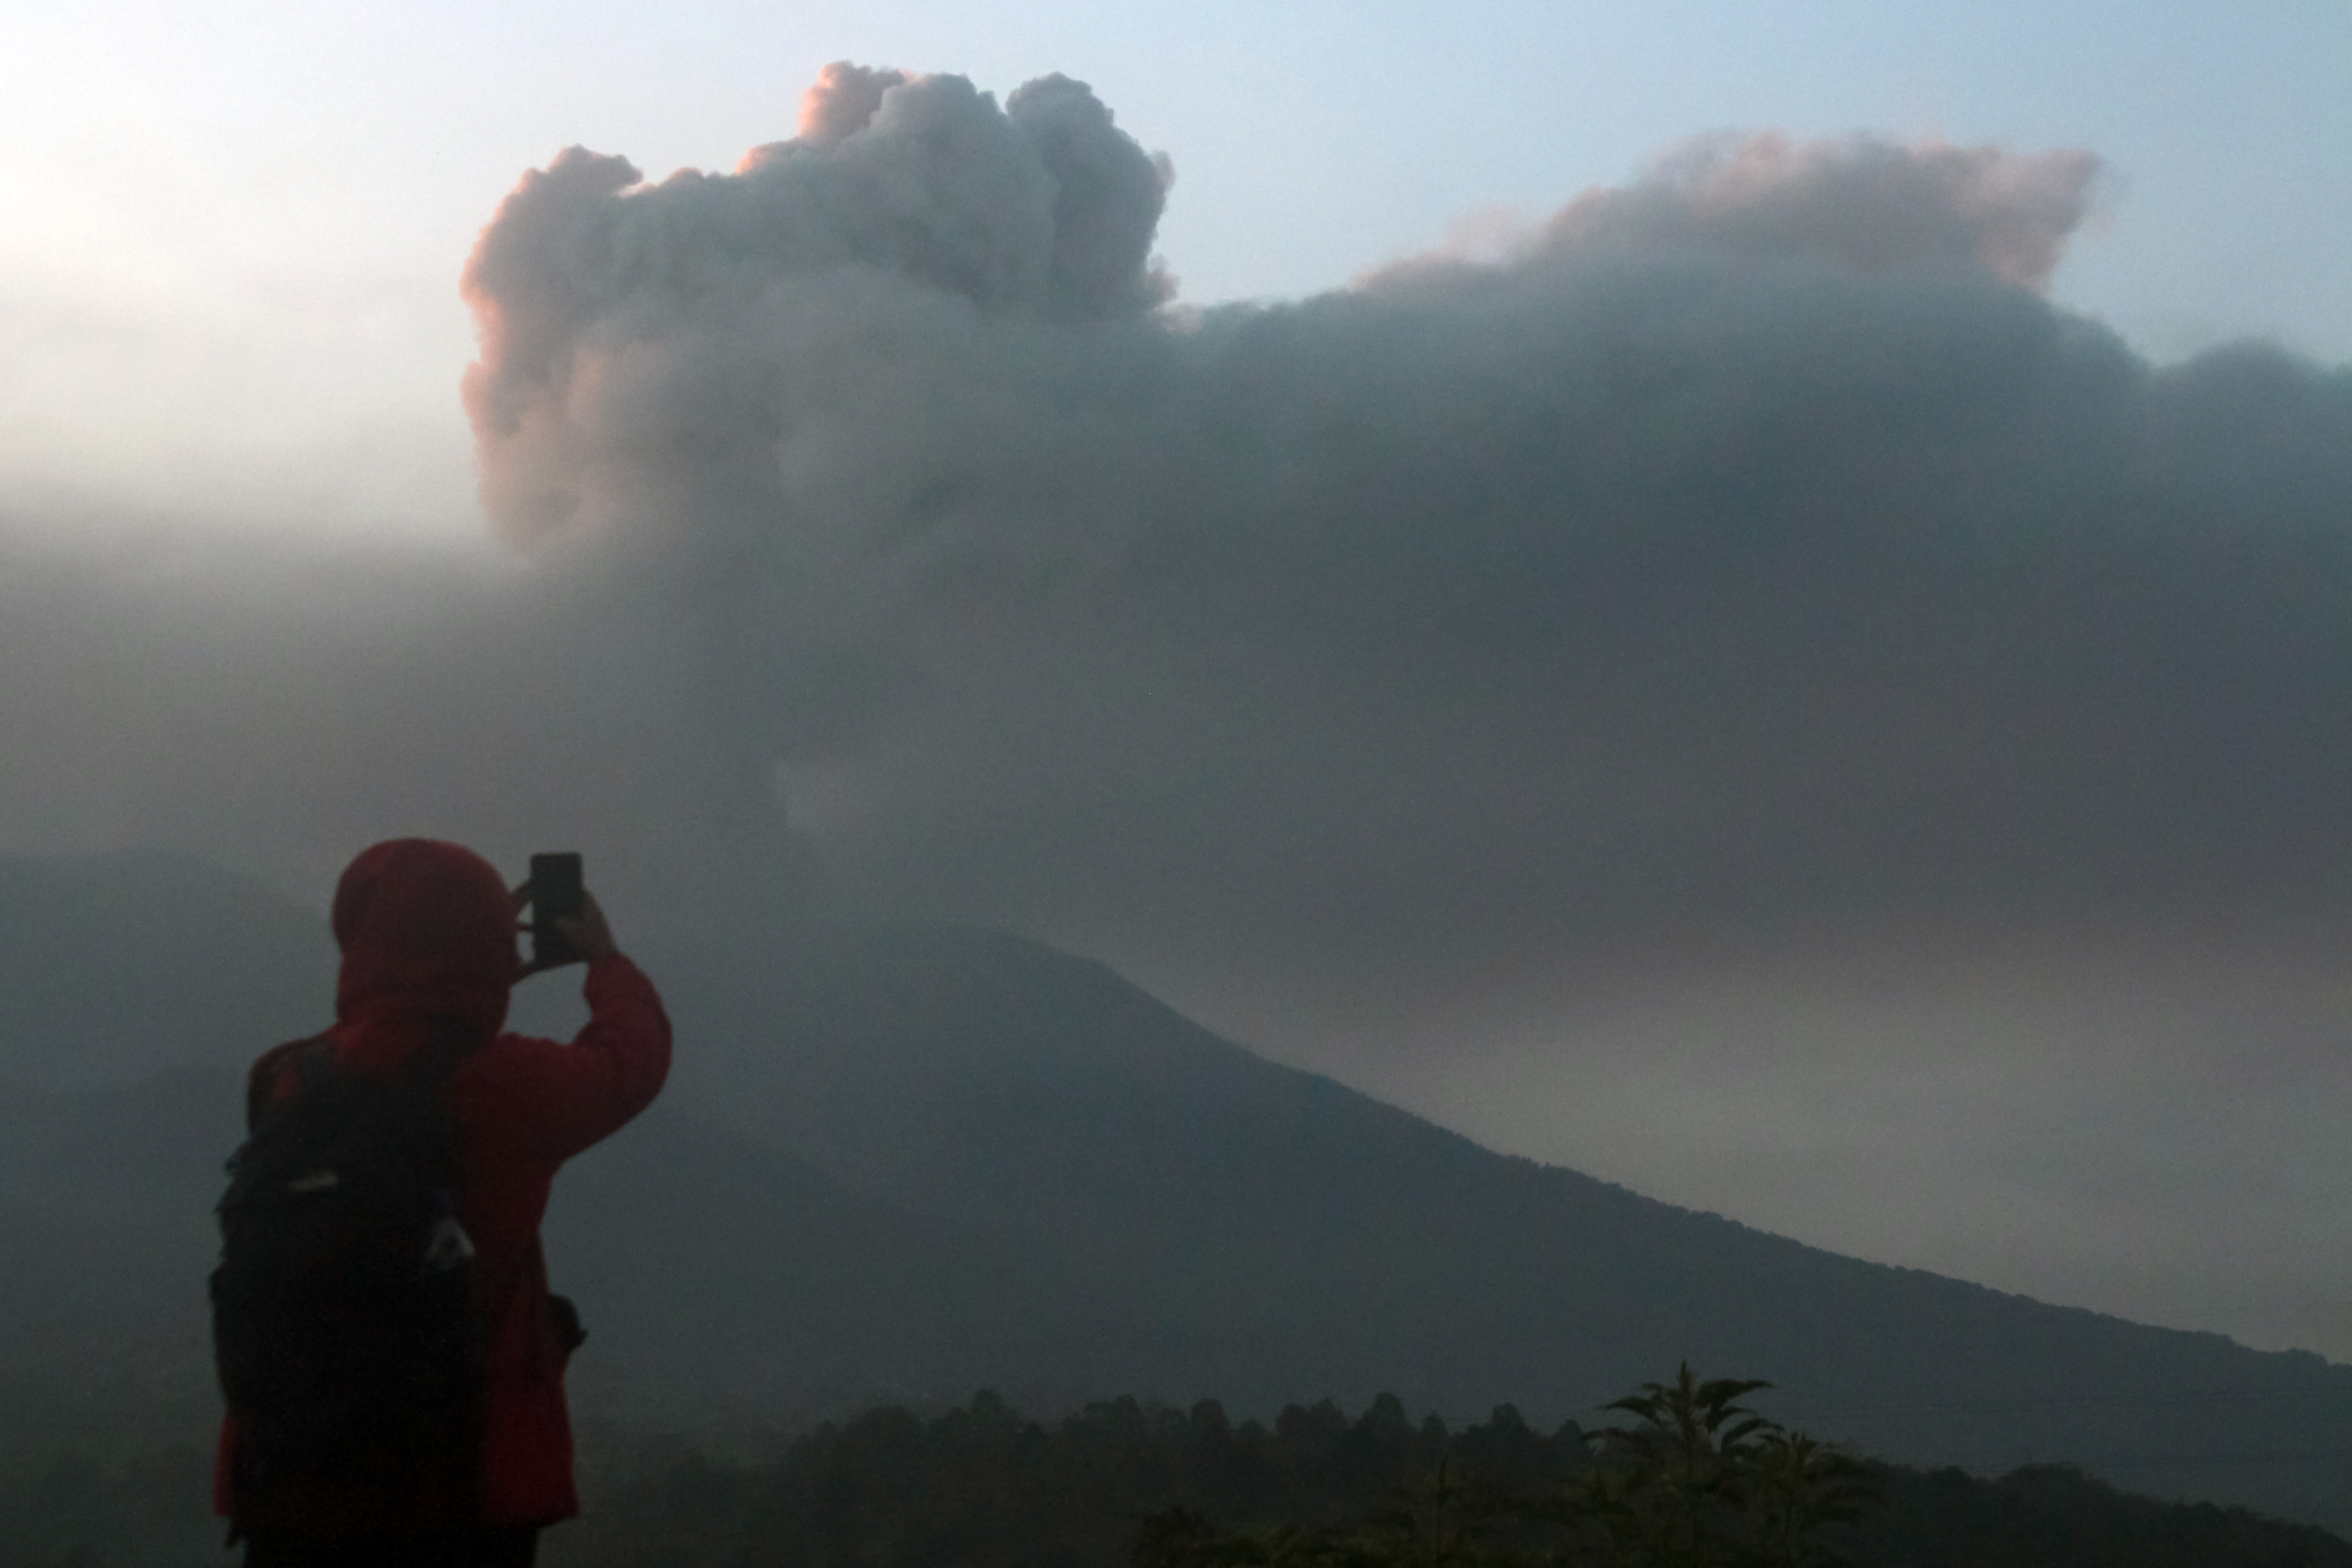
point(1735, 691)
point(1750, 544)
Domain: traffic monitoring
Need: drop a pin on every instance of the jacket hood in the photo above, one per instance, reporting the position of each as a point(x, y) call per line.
point(428, 933)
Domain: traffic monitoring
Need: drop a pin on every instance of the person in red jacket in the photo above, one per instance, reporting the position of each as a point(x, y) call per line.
point(427, 932)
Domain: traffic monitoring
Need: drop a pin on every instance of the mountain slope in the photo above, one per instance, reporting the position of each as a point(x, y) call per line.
point(1268, 1233)
point(906, 1162)
point(117, 966)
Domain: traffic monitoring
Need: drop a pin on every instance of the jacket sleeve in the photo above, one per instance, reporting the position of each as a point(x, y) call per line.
point(575, 1095)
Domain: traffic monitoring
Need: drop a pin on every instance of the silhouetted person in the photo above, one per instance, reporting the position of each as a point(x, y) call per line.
point(427, 932)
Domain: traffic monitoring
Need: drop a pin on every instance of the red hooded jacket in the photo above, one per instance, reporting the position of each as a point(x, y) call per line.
point(427, 933)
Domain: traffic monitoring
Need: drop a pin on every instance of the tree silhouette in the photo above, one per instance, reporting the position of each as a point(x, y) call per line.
point(1696, 1480)
point(1796, 1486)
point(1671, 1488)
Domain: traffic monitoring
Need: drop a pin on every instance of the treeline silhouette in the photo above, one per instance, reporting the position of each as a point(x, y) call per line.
point(1685, 1476)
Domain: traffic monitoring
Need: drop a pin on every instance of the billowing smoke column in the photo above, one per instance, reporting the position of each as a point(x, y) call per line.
point(1873, 206)
point(624, 327)
point(1748, 565)
point(1751, 544)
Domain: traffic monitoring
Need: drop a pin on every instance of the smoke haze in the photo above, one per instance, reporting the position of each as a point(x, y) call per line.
point(1658, 696)
point(1748, 546)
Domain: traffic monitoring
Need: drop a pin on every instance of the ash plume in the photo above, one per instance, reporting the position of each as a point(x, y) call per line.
point(1541, 689)
point(1753, 544)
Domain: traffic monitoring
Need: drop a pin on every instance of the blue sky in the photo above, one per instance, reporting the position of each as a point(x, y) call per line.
point(1314, 139)
point(228, 280)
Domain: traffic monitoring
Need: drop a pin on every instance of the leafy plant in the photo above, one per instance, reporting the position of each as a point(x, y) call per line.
point(1796, 1486)
point(1673, 1488)
point(1696, 1480)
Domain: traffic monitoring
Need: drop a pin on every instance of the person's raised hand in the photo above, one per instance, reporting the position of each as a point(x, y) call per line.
point(589, 937)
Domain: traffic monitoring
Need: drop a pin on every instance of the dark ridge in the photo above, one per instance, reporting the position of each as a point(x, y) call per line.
point(901, 1164)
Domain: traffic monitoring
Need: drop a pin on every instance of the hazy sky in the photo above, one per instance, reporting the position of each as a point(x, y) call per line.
point(225, 279)
point(1761, 666)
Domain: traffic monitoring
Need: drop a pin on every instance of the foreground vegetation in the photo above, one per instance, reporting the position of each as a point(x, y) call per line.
point(1686, 1476)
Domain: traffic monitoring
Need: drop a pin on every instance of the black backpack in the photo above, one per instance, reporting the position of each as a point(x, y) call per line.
point(347, 1320)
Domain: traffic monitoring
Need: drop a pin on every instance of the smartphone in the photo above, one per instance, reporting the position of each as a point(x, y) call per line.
point(555, 895)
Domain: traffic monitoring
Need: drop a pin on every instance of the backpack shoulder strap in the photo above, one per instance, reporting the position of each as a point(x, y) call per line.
point(313, 1058)
point(314, 1061)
